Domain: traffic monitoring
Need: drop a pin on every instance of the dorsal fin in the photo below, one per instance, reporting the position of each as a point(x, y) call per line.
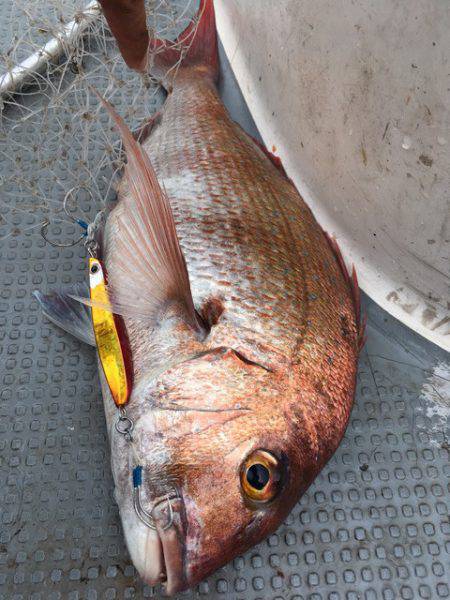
point(149, 267)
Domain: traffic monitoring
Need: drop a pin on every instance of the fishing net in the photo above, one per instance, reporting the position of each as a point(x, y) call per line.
point(55, 139)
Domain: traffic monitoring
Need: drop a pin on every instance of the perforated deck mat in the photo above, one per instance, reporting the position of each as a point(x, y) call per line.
point(374, 525)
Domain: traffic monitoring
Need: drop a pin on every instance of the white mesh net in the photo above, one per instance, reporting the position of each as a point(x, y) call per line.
point(54, 136)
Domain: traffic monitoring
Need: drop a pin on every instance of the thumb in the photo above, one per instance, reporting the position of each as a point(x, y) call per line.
point(128, 23)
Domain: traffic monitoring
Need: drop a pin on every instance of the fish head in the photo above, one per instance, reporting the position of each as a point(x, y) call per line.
point(223, 462)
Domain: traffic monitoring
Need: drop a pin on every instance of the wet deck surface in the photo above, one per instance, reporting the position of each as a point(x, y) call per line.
point(374, 525)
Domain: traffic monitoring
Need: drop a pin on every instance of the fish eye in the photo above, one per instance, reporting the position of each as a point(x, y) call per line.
point(94, 268)
point(260, 476)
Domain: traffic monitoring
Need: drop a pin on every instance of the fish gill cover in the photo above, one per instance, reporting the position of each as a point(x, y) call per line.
point(54, 134)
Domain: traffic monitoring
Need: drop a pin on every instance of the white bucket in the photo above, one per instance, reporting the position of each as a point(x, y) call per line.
point(354, 98)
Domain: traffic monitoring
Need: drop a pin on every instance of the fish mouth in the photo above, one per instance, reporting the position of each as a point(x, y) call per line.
point(160, 559)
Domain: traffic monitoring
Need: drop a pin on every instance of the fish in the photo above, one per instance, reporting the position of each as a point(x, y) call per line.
point(241, 319)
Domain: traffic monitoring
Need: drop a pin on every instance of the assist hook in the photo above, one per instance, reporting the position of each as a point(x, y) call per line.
point(79, 222)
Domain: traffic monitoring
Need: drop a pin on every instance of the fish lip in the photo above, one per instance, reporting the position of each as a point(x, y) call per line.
point(160, 579)
point(172, 538)
point(171, 535)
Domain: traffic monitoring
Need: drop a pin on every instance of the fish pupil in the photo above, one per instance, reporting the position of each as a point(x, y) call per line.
point(258, 476)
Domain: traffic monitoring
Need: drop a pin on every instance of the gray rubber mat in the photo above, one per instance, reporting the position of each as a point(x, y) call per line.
point(374, 525)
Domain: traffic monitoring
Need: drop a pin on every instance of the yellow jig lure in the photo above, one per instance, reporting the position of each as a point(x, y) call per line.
point(107, 336)
point(109, 332)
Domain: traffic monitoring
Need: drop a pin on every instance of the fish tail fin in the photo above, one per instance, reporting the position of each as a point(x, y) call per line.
point(352, 281)
point(195, 48)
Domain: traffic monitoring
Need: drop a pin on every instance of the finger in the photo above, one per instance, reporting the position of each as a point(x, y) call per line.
point(128, 23)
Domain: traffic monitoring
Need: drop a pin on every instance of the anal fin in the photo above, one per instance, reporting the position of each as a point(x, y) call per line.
point(352, 281)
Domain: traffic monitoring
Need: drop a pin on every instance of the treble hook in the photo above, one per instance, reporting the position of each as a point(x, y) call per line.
point(79, 222)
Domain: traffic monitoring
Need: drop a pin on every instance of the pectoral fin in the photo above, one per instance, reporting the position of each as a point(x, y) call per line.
point(68, 314)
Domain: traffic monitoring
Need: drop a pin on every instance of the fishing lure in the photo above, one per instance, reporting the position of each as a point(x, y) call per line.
point(109, 333)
